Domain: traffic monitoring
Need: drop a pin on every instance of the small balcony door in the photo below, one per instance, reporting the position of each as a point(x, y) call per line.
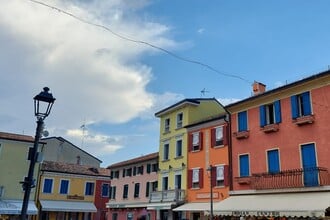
point(309, 165)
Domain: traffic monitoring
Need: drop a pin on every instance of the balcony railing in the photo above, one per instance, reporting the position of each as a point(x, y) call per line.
point(177, 195)
point(296, 178)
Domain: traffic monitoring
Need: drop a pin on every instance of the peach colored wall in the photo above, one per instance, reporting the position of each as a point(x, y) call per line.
point(202, 159)
point(288, 139)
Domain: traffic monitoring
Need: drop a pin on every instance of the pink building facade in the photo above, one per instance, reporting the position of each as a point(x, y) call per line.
point(132, 182)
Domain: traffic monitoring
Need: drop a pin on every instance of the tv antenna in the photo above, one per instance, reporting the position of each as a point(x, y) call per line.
point(203, 91)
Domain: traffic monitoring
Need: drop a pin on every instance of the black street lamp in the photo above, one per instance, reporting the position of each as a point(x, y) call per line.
point(43, 103)
point(210, 169)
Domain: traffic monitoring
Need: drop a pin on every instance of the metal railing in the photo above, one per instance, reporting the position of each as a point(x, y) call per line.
point(176, 195)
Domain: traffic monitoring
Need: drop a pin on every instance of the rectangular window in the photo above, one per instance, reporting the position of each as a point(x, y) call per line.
point(178, 151)
point(270, 113)
point(196, 141)
point(105, 190)
point(166, 151)
point(154, 167)
point(220, 175)
point(273, 161)
point(242, 121)
point(129, 172)
point(115, 216)
point(140, 170)
point(116, 174)
point(64, 187)
point(179, 120)
point(89, 188)
point(178, 181)
point(48, 186)
point(136, 190)
point(125, 191)
point(165, 183)
point(113, 192)
point(167, 125)
point(154, 186)
point(244, 167)
point(195, 178)
point(148, 189)
point(301, 105)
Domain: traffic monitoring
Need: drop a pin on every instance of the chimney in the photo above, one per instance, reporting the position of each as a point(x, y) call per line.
point(258, 88)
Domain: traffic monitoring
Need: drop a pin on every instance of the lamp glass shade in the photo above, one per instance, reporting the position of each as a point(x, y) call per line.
point(43, 103)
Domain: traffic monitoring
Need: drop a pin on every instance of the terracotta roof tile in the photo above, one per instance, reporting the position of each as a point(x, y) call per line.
point(16, 137)
point(135, 160)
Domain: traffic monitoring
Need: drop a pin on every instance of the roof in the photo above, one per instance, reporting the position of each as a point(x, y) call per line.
point(209, 119)
point(135, 160)
point(64, 140)
point(16, 137)
point(60, 167)
point(310, 78)
point(191, 101)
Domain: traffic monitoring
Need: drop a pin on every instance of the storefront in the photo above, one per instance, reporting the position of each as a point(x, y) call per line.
point(287, 205)
point(194, 210)
point(11, 209)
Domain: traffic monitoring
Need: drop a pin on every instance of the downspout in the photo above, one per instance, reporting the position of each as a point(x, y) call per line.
point(230, 153)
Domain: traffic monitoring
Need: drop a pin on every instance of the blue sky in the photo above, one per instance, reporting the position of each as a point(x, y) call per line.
point(115, 86)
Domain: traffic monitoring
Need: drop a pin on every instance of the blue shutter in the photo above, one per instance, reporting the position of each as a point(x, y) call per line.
point(273, 161)
point(278, 116)
point(242, 121)
point(262, 114)
point(306, 103)
point(244, 165)
point(309, 164)
point(294, 107)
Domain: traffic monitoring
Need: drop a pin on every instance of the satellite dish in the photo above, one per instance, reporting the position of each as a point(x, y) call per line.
point(45, 133)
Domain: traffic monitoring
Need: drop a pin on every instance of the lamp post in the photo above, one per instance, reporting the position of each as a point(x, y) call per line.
point(43, 103)
point(210, 169)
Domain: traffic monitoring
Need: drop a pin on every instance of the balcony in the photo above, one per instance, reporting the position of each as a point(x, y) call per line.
point(296, 178)
point(307, 119)
point(241, 134)
point(177, 195)
point(270, 128)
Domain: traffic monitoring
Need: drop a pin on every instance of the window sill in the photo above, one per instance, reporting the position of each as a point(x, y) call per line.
point(307, 119)
point(270, 128)
point(219, 146)
point(243, 180)
point(178, 157)
point(241, 134)
point(166, 132)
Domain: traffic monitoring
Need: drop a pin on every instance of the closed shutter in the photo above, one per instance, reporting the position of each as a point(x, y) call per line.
point(213, 138)
point(190, 179)
point(278, 116)
point(190, 140)
point(226, 175)
point(306, 104)
point(225, 134)
point(213, 176)
point(294, 107)
point(147, 189)
point(200, 140)
point(262, 115)
point(148, 168)
point(201, 178)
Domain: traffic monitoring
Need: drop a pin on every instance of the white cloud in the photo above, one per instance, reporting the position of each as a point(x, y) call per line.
point(201, 30)
point(93, 74)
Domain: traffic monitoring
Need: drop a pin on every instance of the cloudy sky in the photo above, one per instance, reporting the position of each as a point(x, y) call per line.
point(112, 64)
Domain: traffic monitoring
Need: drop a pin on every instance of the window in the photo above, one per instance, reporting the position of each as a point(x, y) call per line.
point(179, 120)
point(105, 190)
point(48, 185)
point(154, 167)
point(112, 192)
point(244, 168)
point(140, 170)
point(301, 105)
point(136, 190)
point(165, 182)
point(166, 151)
point(89, 189)
point(178, 181)
point(64, 187)
point(154, 186)
point(270, 113)
point(116, 174)
point(115, 216)
point(178, 151)
point(219, 136)
point(129, 172)
point(220, 175)
point(195, 178)
point(242, 121)
point(167, 125)
point(125, 191)
point(195, 141)
point(273, 161)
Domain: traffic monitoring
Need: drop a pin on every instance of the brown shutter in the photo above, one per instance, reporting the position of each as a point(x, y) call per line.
point(213, 137)
point(200, 140)
point(200, 178)
point(225, 134)
point(214, 176)
point(226, 175)
point(190, 140)
point(190, 179)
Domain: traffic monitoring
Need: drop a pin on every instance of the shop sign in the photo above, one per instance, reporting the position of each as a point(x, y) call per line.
point(256, 213)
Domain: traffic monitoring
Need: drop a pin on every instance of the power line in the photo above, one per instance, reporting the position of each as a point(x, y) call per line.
point(142, 42)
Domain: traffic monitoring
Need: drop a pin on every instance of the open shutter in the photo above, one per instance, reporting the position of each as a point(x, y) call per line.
point(226, 175)
point(214, 176)
point(200, 140)
point(306, 103)
point(213, 141)
point(294, 107)
point(147, 189)
point(262, 114)
point(190, 179)
point(148, 168)
point(200, 178)
point(278, 117)
point(225, 134)
point(190, 140)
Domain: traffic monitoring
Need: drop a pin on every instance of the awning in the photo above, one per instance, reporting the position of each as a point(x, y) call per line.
point(160, 205)
point(194, 206)
point(67, 206)
point(14, 207)
point(126, 205)
point(289, 204)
